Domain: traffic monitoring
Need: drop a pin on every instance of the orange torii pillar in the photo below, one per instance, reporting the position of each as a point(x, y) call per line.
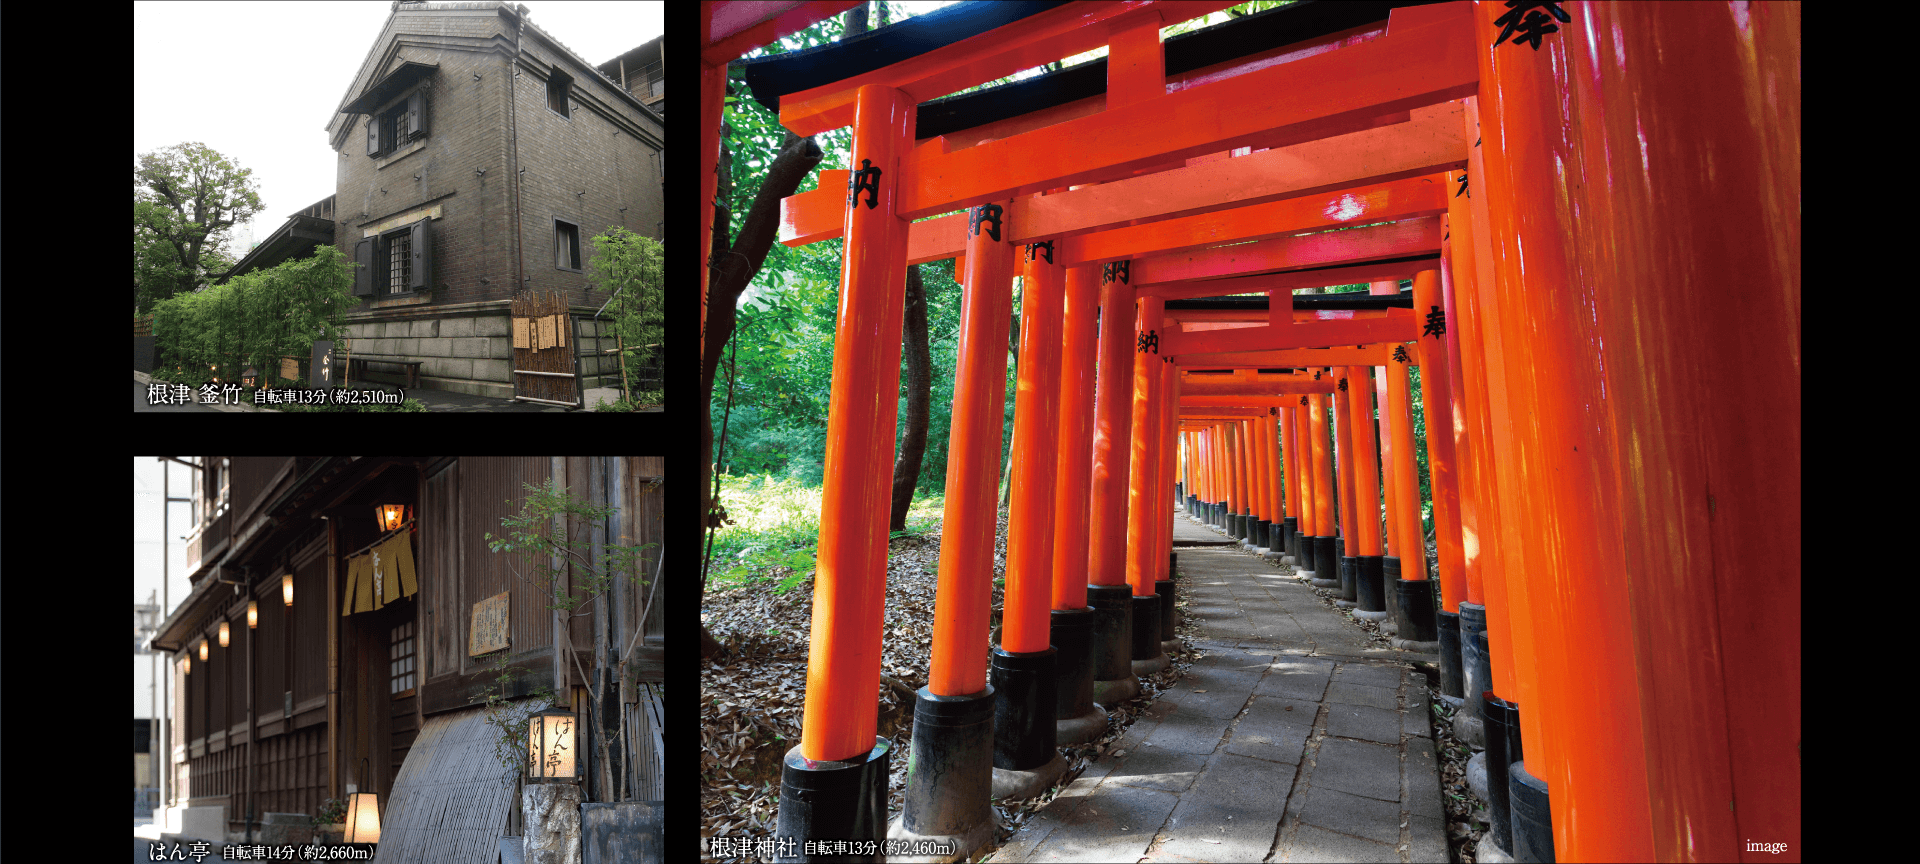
point(949, 780)
point(1405, 571)
point(1025, 761)
point(1711, 542)
point(1347, 545)
point(1109, 594)
point(833, 785)
point(1289, 488)
point(1078, 719)
point(1276, 489)
point(1143, 558)
point(1668, 550)
point(1436, 392)
point(1492, 648)
point(1163, 586)
point(1325, 563)
point(1237, 499)
point(1302, 439)
point(1452, 423)
point(1367, 566)
point(1266, 528)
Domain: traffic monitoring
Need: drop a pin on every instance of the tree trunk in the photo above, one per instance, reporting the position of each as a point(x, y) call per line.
point(913, 441)
point(728, 275)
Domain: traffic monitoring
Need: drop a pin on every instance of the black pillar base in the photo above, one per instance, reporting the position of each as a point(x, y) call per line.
point(1349, 571)
point(1477, 675)
point(1502, 731)
point(1290, 529)
point(1163, 589)
point(1532, 815)
point(1023, 708)
point(1449, 624)
point(1148, 658)
point(1112, 648)
point(1326, 561)
point(834, 801)
point(1071, 634)
point(950, 774)
point(1369, 582)
point(1263, 534)
point(1413, 610)
point(1173, 564)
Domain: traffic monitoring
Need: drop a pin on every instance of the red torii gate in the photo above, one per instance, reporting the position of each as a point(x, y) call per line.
point(1520, 402)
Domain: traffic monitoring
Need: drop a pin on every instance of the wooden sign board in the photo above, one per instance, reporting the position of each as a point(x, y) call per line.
point(489, 631)
point(289, 368)
point(521, 339)
point(322, 364)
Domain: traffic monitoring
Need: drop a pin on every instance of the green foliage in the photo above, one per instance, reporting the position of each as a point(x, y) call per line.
point(532, 533)
point(630, 265)
point(534, 539)
point(257, 318)
point(508, 719)
point(333, 811)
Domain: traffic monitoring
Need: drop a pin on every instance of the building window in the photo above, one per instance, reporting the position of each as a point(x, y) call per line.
point(566, 245)
point(398, 259)
point(404, 122)
point(400, 660)
point(558, 85)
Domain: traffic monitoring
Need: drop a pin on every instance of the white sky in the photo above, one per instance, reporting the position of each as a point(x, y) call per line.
point(258, 81)
point(147, 479)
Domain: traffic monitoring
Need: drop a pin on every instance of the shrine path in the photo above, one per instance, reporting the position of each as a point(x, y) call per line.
point(1293, 739)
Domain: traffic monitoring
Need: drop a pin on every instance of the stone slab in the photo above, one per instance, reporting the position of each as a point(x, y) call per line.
point(1230, 814)
point(1364, 722)
point(1378, 821)
point(1316, 844)
point(1367, 770)
point(1353, 694)
point(1115, 825)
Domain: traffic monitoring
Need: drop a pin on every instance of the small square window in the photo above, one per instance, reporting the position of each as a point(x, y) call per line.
point(566, 245)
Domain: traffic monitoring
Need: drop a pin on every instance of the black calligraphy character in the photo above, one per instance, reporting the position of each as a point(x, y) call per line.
point(1463, 186)
point(1046, 245)
point(1400, 354)
point(1534, 25)
point(1149, 341)
point(1116, 271)
point(1303, 401)
point(989, 213)
point(1343, 385)
point(1316, 374)
point(866, 179)
point(1436, 323)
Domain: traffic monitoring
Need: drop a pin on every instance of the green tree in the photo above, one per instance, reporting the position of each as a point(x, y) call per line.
point(186, 197)
point(630, 266)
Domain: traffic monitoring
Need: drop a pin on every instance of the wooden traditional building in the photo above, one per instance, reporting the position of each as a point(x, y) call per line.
point(304, 670)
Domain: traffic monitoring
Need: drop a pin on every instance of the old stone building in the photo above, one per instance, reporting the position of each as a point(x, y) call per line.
point(477, 157)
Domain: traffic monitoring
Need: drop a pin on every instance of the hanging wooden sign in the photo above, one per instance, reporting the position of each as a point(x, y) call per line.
point(488, 632)
point(521, 338)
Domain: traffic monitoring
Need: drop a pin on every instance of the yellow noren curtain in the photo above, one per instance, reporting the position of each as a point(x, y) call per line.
point(363, 585)
point(394, 561)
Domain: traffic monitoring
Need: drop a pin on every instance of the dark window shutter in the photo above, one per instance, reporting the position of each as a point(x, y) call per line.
point(573, 246)
point(373, 136)
point(421, 248)
point(417, 114)
point(363, 274)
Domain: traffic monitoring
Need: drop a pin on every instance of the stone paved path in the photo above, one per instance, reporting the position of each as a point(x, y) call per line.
point(1293, 739)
